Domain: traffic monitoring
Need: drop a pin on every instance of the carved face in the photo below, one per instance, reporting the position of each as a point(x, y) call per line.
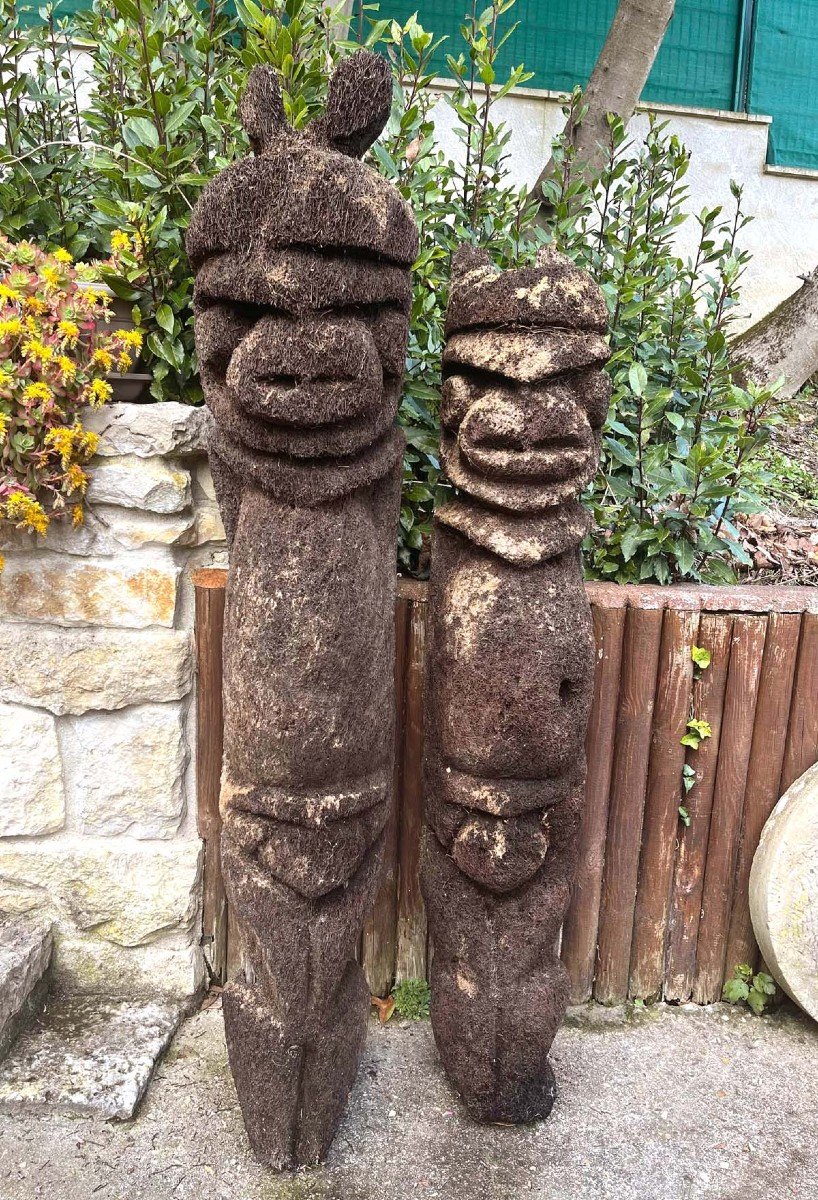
point(522, 446)
point(302, 290)
point(522, 405)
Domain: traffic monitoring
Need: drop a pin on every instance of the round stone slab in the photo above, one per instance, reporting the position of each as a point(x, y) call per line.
point(784, 892)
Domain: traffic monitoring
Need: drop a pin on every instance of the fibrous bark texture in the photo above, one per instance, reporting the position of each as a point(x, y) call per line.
point(510, 669)
point(301, 256)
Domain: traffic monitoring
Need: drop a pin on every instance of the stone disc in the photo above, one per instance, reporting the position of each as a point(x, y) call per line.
point(784, 892)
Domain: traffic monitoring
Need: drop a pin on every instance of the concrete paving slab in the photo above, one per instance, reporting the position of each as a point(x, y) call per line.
point(86, 1054)
point(672, 1104)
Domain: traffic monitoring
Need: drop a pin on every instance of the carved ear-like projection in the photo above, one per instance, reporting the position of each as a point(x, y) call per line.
point(360, 97)
point(261, 109)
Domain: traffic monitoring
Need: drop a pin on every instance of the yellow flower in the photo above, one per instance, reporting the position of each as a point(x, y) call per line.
point(76, 479)
point(37, 349)
point(131, 338)
point(26, 513)
point(2, 563)
point(63, 256)
point(4, 424)
point(120, 241)
point(99, 392)
point(50, 277)
point(11, 328)
point(70, 330)
point(77, 516)
point(87, 444)
point(35, 392)
point(8, 294)
point(62, 440)
point(68, 368)
point(92, 297)
point(35, 305)
point(102, 358)
point(124, 362)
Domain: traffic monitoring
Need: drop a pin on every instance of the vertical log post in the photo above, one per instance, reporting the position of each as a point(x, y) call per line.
point(640, 658)
point(411, 932)
point(728, 803)
point(380, 936)
point(763, 774)
point(802, 733)
point(661, 824)
point(209, 593)
point(579, 932)
point(715, 635)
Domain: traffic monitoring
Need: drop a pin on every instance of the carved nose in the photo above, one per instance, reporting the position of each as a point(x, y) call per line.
point(317, 370)
point(541, 434)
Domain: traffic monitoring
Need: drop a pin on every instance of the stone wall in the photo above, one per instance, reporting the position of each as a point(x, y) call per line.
point(97, 784)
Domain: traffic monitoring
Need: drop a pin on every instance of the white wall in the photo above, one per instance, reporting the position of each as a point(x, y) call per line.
point(783, 236)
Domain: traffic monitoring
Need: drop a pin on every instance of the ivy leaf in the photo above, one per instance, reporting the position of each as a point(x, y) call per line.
point(735, 991)
point(701, 657)
point(164, 317)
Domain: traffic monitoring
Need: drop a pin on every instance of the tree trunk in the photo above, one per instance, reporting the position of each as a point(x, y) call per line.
point(785, 342)
point(618, 78)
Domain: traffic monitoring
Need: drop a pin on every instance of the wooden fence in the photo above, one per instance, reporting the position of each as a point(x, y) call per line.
point(660, 907)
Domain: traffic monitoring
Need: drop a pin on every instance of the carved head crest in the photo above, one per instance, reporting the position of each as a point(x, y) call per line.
point(302, 296)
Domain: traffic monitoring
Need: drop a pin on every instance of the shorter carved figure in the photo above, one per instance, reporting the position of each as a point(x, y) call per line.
point(509, 669)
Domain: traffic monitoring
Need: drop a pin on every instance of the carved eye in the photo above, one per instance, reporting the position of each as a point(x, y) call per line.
point(567, 691)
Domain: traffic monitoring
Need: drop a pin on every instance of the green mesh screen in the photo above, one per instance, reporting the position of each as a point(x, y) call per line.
point(784, 78)
point(559, 41)
point(697, 64)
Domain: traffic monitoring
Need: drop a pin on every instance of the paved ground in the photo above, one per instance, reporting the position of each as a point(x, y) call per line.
point(669, 1105)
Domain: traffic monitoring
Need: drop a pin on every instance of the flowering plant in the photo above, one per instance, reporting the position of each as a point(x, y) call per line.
point(54, 359)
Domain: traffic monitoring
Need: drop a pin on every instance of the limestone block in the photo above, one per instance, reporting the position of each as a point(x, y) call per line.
point(209, 527)
point(123, 894)
point(124, 771)
point(203, 481)
point(88, 1055)
point(147, 430)
point(171, 967)
point(76, 670)
point(144, 483)
point(31, 788)
point(784, 892)
point(130, 529)
point(25, 957)
point(132, 592)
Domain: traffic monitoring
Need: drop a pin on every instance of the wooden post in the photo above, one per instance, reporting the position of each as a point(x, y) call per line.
point(728, 803)
point(379, 942)
point(209, 600)
point(763, 774)
point(640, 657)
point(661, 824)
point(802, 733)
point(411, 934)
point(579, 931)
point(715, 635)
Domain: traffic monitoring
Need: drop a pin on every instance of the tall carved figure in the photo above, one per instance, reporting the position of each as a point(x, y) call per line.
point(301, 254)
point(510, 669)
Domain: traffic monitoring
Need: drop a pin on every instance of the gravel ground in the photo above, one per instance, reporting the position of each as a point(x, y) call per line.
point(671, 1104)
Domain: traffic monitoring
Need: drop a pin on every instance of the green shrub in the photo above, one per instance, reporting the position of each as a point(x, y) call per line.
point(412, 999)
point(681, 451)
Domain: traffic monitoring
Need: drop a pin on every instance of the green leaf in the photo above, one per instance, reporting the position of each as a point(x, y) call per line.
point(637, 378)
point(139, 131)
point(735, 991)
point(701, 657)
point(164, 317)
